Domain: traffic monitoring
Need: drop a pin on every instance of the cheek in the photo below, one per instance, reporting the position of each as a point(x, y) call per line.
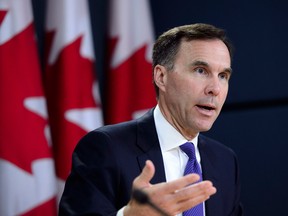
point(183, 89)
point(224, 93)
point(177, 95)
point(174, 85)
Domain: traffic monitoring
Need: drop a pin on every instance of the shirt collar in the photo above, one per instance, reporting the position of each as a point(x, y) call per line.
point(168, 136)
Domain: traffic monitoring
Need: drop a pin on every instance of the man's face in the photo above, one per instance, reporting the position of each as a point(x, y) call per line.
point(194, 92)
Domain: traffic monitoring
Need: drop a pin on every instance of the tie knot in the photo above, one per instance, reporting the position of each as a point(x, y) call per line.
point(189, 149)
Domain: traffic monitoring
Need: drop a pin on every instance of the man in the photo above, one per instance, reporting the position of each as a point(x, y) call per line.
point(191, 72)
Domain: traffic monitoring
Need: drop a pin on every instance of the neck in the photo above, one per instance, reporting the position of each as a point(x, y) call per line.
point(188, 135)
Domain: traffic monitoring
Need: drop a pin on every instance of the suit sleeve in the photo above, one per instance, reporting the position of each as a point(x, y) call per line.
point(91, 188)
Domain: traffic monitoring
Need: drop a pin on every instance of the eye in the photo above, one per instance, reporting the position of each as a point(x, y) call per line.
point(200, 70)
point(224, 76)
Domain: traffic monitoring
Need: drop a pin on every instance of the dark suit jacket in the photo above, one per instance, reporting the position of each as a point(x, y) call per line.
point(106, 161)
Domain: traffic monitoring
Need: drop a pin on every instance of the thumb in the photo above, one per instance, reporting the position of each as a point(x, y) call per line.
point(143, 180)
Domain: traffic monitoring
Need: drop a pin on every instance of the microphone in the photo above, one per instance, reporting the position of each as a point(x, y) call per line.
point(142, 198)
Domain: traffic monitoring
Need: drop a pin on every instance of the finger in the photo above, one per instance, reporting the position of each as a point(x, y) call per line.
point(143, 180)
point(194, 194)
point(178, 184)
point(197, 189)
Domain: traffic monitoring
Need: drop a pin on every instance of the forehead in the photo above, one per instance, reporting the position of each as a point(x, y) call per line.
point(211, 51)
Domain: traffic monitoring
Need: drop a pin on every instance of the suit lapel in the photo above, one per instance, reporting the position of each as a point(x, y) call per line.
point(147, 140)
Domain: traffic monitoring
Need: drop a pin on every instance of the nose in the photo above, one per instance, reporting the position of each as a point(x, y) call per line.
point(213, 87)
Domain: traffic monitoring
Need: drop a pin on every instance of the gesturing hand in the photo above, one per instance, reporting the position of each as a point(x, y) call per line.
point(174, 197)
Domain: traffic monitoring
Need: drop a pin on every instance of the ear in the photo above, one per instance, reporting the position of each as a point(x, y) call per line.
point(160, 73)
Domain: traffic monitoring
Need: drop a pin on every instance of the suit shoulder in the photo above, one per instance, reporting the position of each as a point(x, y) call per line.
point(117, 128)
point(108, 133)
point(124, 128)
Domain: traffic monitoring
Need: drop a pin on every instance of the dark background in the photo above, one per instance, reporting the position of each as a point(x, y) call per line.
point(254, 119)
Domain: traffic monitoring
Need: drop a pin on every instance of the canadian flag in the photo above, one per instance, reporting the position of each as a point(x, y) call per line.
point(27, 176)
point(130, 91)
point(70, 81)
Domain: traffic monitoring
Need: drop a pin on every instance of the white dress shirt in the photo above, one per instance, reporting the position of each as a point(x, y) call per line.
point(173, 157)
point(170, 139)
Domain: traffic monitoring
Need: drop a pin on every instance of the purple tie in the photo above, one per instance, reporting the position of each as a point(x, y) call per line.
point(192, 166)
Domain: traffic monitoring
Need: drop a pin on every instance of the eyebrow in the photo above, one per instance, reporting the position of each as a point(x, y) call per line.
point(203, 63)
point(200, 63)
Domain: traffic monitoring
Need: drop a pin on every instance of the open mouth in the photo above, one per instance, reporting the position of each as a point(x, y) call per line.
point(206, 107)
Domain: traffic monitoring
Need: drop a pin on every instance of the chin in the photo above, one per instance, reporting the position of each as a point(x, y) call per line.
point(206, 125)
point(205, 128)
point(201, 125)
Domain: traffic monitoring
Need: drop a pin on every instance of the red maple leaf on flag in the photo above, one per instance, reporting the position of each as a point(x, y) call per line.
point(129, 91)
point(130, 86)
point(70, 82)
point(17, 117)
point(68, 90)
point(27, 178)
